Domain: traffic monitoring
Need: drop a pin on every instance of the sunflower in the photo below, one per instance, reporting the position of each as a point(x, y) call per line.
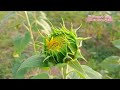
point(61, 45)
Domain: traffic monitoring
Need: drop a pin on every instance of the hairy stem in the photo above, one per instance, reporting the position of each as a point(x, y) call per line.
point(30, 30)
point(64, 71)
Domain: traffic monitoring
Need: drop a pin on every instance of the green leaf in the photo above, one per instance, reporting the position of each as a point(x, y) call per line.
point(91, 73)
point(77, 66)
point(82, 71)
point(116, 43)
point(19, 75)
point(111, 64)
point(20, 43)
point(41, 76)
point(34, 61)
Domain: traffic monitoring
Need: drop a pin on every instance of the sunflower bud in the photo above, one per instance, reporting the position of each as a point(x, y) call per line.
point(61, 45)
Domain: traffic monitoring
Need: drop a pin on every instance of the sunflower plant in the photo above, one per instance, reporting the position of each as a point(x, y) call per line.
point(61, 49)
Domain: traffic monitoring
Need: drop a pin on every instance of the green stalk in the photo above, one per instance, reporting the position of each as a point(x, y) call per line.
point(30, 30)
point(63, 72)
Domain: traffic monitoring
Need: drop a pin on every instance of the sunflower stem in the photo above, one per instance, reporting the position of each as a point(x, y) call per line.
point(30, 30)
point(64, 71)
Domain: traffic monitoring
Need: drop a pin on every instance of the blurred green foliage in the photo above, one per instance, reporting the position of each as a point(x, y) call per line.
point(95, 50)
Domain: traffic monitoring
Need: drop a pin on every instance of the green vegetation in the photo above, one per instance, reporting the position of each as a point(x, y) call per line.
point(21, 37)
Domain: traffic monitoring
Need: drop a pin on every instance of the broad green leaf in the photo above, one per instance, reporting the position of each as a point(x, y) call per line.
point(19, 75)
point(34, 61)
point(71, 73)
point(116, 43)
point(20, 43)
point(111, 63)
point(77, 66)
point(83, 71)
point(41, 76)
point(91, 73)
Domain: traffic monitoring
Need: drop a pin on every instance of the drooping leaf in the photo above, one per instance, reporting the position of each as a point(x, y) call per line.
point(72, 73)
point(111, 63)
point(91, 73)
point(77, 66)
point(83, 71)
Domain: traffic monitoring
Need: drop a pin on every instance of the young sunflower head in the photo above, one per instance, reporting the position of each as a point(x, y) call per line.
point(61, 45)
point(55, 44)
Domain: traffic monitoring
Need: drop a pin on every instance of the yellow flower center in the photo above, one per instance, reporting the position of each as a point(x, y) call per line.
point(54, 44)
